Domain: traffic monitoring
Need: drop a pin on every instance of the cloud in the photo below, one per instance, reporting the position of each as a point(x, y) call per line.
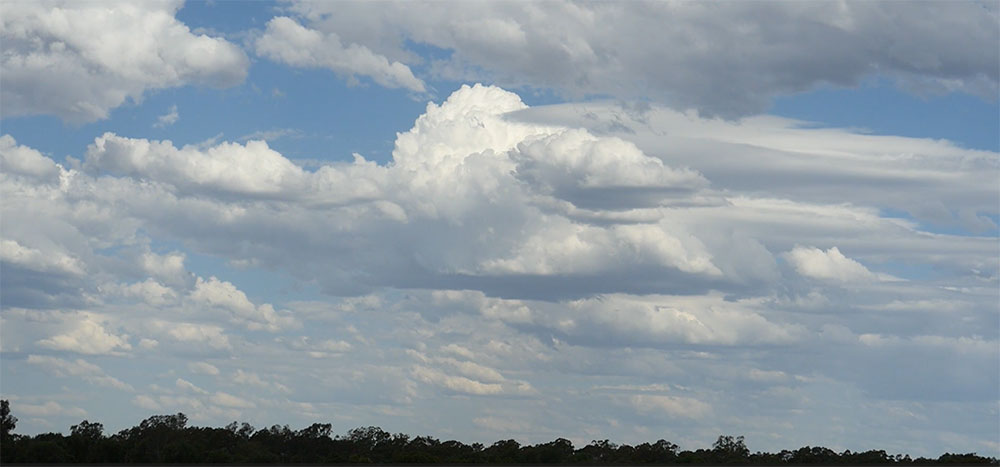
point(88, 336)
point(672, 406)
point(168, 118)
point(49, 409)
point(78, 368)
point(686, 54)
point(229, 400)
point(23, 160)
point(459, 384)
point(55, 263)
point(828, 265)
point(203, 368)
point(212, 336)
point(225, 296)
point(287, 41)
point(79, 61)
point(187, 386)
point(539, 256)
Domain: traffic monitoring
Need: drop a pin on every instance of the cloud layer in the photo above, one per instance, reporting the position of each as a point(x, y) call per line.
point(724, 59)
point(578, 255)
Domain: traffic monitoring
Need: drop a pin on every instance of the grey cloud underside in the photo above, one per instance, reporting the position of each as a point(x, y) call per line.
point(725, 59)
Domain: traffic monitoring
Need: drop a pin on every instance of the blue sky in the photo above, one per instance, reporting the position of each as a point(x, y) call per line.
point(469, 220)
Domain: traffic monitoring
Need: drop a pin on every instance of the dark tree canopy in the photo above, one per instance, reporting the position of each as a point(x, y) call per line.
point(169, 439)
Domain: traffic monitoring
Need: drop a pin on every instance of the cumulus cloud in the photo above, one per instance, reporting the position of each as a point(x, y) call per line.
point(168, 118)
point(78, 368)
point(484, 260)
point(22, 160)
point(88, 336)
point(79, 61)
point(686, 54)
point(224, 295)
point(672, 406)
point(56, 263)
point(830, 265)
point(287, 41)
point(51, 408)
point(459, 384)
point(203, 368)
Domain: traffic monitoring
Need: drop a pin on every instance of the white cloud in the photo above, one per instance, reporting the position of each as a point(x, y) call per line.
point(88, 336)
point(688, 53)
point(168, 268)
point(226, 296)
point(78, 368)
point(211, 335)
point(79, 61)
point(49, 409)
point(287, 41)
point(828, 265)
point(187, 386)
point(229, 400)
point(148, 291)
point(146, 402)
point(514, 255)
point(203, 368)
point(673, 406)
point(17, 159)
point(168, 118)
point(148, 344)
point(459, 384)
point(52, 262)
point(245, 169)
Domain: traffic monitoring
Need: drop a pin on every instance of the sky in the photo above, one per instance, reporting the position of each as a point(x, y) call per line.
point(481, 221)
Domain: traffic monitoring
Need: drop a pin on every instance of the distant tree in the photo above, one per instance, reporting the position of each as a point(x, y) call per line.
point(244, 431)
point(730, 449)
point(87, 430)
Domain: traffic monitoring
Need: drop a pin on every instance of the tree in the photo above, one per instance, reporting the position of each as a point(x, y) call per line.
point(7, 421)
point(87, 430)
point(730, 448)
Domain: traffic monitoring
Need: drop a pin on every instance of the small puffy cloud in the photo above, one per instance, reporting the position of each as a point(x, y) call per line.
point(88, 336)
point(148, 344)
point(22, 160)
point(829, 265)
point(14, 253)
point(148, 291)
point(187, 386)
point(225, 296)
point(322, 349)
point(287, 41)
point(168, 118)
point(50, 409)
point(146, 402)
point(672, 406)
point(203, 368)
point(78, 368)
point(168, 268)
point(459, 384)
point(229, 400)
point(210, 335)
point(248, 169)
point(80, 60)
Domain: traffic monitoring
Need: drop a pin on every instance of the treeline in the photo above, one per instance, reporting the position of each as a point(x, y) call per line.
point(168, 439)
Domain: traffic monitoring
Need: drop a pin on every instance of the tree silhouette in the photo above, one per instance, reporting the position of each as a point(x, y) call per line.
point(168, 439)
